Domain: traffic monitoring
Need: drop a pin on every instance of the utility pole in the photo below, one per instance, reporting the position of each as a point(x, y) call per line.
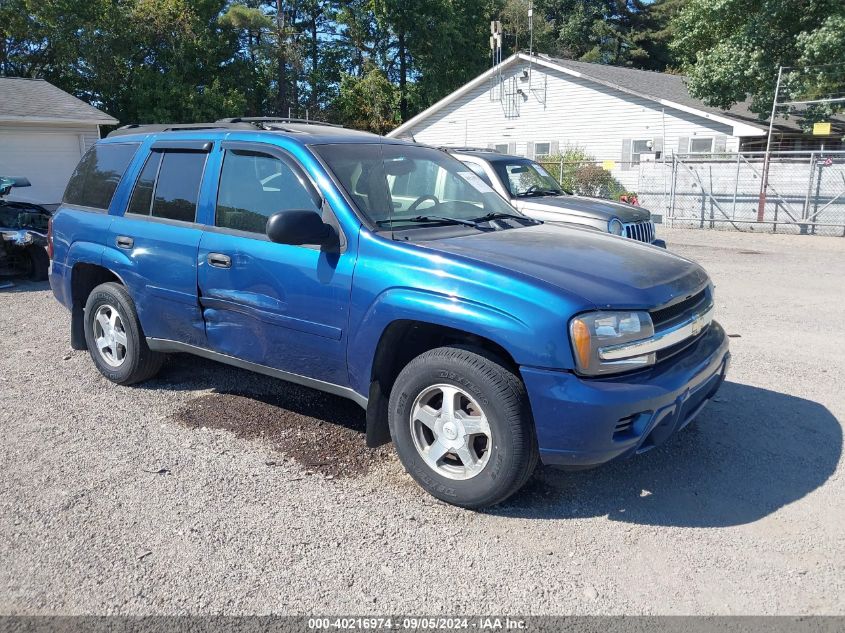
point(764, 181)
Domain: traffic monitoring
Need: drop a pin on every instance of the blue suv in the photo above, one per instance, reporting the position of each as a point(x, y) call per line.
point(478, 340)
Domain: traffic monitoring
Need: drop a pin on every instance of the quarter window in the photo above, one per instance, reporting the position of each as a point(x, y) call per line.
point(96, 177)
point(254, 186)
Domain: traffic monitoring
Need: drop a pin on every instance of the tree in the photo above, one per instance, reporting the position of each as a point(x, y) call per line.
point(732, 49)
point(369, 102)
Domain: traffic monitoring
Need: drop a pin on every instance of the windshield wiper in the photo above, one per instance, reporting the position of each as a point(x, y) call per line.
point(539, 192)
point(430, 218)
point(501, 215)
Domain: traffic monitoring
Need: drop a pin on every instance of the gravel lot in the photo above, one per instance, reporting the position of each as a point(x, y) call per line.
point(201, 492)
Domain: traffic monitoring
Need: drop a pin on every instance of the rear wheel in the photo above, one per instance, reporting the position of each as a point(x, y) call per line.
point(114, 337)
point(462, 427)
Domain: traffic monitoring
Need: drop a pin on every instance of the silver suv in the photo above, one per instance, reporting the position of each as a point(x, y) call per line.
point(532, 190)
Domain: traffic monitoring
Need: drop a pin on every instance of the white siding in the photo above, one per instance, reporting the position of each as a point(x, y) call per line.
point(575, 111)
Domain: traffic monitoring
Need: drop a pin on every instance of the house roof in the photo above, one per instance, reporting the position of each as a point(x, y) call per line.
point(37, 101)
point(666, 89)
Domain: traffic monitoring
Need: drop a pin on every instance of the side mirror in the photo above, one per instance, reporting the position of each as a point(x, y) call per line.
point(297, 227)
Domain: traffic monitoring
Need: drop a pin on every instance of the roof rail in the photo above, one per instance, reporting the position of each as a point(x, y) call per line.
point(136, 128)
point(468, 149)
point(273, 119)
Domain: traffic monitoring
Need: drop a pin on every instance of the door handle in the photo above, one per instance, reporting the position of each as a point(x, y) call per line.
point(219, 260)
point(123, 241)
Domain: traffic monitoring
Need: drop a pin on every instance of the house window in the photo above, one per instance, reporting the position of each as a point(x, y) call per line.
point(542, 150)
point(701, 146)
point(640, 146)
point(502, 148)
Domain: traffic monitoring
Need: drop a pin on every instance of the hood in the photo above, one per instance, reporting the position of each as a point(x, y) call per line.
point(581, 206)
point(601, 269)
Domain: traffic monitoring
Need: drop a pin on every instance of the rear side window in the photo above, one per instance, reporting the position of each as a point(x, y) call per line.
point(254, 186)
point(96, 177)
point(168, 186)
point(142, 196)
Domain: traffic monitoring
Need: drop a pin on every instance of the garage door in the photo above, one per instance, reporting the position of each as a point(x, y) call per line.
point(46, 158)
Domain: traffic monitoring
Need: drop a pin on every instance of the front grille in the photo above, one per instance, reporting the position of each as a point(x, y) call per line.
point(679, 312)
point(640, 231)
point(665, 317)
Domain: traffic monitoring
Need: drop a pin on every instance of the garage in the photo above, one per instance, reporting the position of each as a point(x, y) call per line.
point(43, 133)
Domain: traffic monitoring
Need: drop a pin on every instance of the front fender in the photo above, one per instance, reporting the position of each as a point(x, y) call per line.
point(408, 304)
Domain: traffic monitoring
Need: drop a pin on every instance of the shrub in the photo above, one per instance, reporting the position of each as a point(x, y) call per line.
point(581, 175)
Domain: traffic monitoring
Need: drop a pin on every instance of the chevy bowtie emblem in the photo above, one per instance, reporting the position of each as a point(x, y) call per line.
point(697, 324)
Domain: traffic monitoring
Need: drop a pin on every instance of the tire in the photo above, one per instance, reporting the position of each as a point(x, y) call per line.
point(127, 359)
point(39, 263)
point(500, 459)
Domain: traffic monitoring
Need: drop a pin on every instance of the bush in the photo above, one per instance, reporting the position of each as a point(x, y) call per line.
point(581, 175)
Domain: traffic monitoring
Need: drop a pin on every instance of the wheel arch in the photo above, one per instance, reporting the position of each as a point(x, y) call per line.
point(400, 342)
point(84, 277)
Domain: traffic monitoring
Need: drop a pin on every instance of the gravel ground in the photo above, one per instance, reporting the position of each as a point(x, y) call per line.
point(200, 492)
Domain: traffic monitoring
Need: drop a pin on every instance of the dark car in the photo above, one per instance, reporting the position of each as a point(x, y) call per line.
point(23, 228)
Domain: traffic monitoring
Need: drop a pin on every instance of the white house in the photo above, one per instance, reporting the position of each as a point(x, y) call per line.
point(536, 105)
point(43, 133)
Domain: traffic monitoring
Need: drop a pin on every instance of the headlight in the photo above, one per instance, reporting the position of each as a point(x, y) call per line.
point(594, 330)
point(615, 226)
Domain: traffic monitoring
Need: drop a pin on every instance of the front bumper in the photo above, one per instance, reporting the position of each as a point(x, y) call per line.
point(586, 422)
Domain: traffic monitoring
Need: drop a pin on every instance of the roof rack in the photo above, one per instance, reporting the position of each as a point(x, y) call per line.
point(234, 123)
point(135, 128)
point(273, 119)
point(468, 149)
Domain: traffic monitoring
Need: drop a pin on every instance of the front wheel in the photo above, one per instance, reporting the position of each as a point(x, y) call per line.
point(462, 427)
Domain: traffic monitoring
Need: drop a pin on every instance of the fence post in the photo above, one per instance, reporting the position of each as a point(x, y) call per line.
point(736, 185)
point(806, 211)
point(560, 172)
point(671, 209)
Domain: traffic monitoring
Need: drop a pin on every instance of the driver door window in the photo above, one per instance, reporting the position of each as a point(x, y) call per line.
point(254, 186)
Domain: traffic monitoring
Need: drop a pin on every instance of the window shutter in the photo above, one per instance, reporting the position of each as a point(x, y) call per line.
point(554, 148)
point(683, 145)
point(625, 162)
point(511, 148)
point(720, 144)
point(529, 149)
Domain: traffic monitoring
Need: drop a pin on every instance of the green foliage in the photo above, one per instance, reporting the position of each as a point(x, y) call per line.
point(732, 49)
point(375, 63)
point(576, 171)
point(369, 102)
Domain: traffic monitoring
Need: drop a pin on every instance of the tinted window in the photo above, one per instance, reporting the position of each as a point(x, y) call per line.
point(96, 177)
point(254, 186)
point(178, 185)
point(142, 196)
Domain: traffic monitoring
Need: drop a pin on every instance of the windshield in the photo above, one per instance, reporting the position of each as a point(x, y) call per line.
point(526, 178)
point(401, 186)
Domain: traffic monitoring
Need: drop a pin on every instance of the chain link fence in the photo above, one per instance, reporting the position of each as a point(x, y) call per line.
point(805, 192)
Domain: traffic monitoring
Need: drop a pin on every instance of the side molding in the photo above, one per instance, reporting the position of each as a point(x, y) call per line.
point(164, 345)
